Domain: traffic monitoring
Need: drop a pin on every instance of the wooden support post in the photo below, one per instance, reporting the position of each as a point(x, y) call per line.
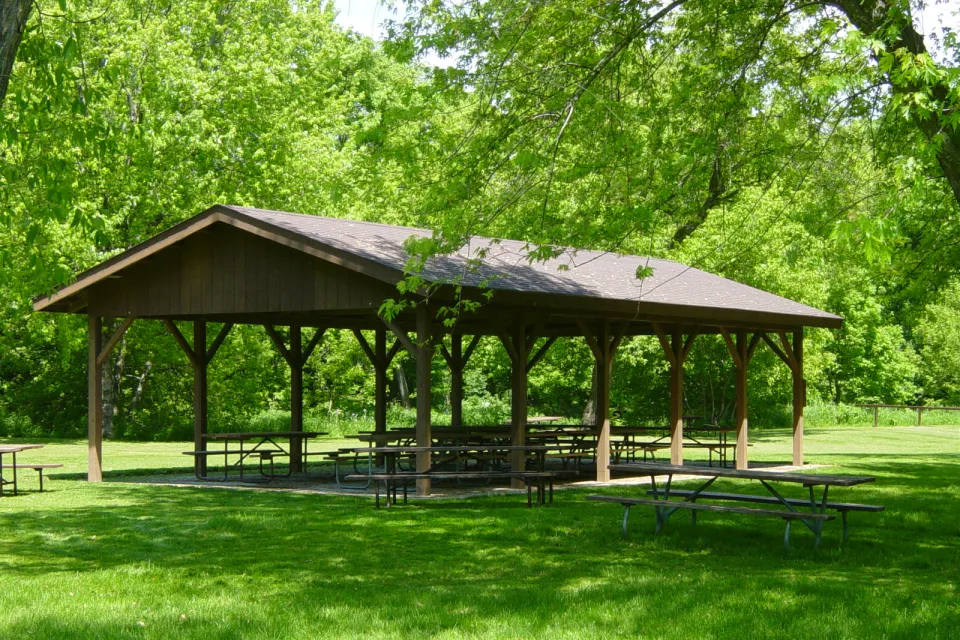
point(740, 386)
point(518, 400)
point(296, 397)
point(799, 398)
point(676, 397)
point(456, 380)
point(200, 393)
point(424, 353)
point(604, 346)
point(602, 406)
point(380, 365)
point(94, 401)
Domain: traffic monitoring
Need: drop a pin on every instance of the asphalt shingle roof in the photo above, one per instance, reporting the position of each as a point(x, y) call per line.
point(575, 272)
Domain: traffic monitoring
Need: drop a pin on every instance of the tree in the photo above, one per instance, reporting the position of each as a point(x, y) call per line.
point(611, 121)
point(13, 20)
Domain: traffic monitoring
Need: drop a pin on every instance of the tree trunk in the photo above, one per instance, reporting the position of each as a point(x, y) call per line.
point(402, 387)
point(112, 375)
point(13, 20)
point(590, 411)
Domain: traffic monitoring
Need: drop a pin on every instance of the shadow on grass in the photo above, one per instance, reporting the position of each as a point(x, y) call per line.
point(489, 564)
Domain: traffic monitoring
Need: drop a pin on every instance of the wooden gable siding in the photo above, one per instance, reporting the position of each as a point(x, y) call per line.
point(225, 270)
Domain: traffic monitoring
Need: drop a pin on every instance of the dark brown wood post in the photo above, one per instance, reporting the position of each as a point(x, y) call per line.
point(296, 397)
point(200, 393)
point(676, 397)
point(380, 365)
point(424, 352)
point(799, 398)
point(94, 401)
point(740, 392)
point(604, 371)
point(518, 401)
point(456, 380)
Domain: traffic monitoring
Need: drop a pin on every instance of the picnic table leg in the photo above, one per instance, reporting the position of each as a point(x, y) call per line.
point(786, 537)
point(41, 491)
point(626, 519)
point(14, 473)
point(843, 514)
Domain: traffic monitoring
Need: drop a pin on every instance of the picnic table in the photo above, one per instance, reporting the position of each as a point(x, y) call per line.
point(12, 450)
point(266, 450)
point(624, 442)
point(811, 512)
point(486, 468)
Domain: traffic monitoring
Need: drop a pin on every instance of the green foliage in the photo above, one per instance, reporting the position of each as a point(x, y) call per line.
point(939, 335)
point(756, 144)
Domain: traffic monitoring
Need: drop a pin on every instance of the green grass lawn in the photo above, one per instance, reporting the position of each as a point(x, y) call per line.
point(119, 560)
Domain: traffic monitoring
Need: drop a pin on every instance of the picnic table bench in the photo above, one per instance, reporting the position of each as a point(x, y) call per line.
point(39, 468)
point(12, 450)
point(541, 480)
point(394, 478)
point(812, 517)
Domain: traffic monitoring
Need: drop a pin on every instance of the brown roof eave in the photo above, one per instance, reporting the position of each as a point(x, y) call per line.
point(658, 312)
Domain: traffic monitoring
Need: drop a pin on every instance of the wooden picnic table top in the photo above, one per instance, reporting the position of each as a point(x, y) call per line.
point(250, 435)
point(17, 448)
point(806, 479)
point(710, 427)
point(452, 448)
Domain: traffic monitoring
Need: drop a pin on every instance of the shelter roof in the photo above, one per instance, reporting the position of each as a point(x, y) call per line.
point(378, 251)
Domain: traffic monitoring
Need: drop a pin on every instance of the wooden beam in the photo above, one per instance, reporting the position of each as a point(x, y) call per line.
point(602, 361)
point(788, 350)
point(381, 362)
point(533, 334)
point(615, 341)
point(365, 346)
point(456, 363)
point(754, 341)
point(773, 347)
point(590, 337)
point(423, 355)
point(114, 339)
point(542, 351)
point(518, 396)
point(314, 341)
point(667, 349)
point(221, 336)
point(676, 397)
point(402, 336)
point(277, 340)
point(470, 347)
point(180, 340)
point(740, 419)
point(394, 350)
point(732, 348)
point(94, 400)
point(296, 397)
point(200, 395)
point(799, 398)
point(689, 343)
point(507, 340)
point(446, 356)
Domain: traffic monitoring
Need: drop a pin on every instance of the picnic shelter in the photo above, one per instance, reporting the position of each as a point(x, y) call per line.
point(237, 265)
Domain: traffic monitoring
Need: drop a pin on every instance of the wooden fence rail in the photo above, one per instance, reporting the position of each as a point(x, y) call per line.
point(919, 409)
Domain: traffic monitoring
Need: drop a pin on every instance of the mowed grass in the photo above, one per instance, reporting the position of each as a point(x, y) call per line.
point(122, 560)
